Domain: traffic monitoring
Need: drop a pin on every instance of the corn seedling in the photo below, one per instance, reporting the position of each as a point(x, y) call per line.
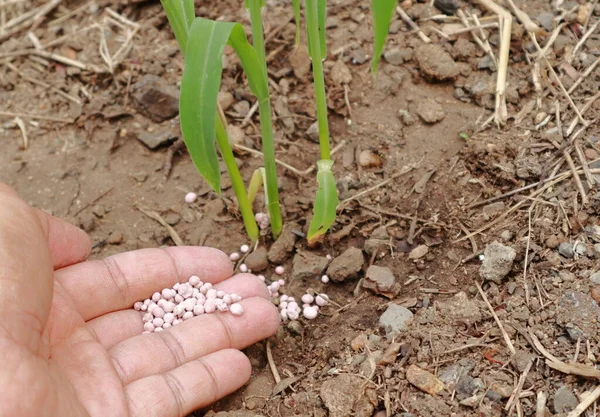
point(202, 42)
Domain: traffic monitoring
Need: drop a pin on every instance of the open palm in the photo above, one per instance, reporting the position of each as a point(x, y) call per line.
point(71, 345)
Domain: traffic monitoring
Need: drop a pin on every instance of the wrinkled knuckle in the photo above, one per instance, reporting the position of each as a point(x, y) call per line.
point(118, 277)
point(174, 347)
point(176, 389)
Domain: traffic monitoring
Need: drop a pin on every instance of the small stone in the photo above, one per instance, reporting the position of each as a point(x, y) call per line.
point(552, 242)
point(435, 63)
point(486, 62)
point(378, 246)
point(511, 287)
point(390, 354)
point(595, 278)
point(226, 100)
point(393, 56)
point(497, 262)
point(154, 140)
point(257, 261)
point(564, 400)
point(242, 108)
point(546, 19)
point(405, 117)
point(591, 154)
point(155, 98)
point(419, 252)
point(448, 7)
point(140, 176)
point(395, 320)
point(464, 49)
point(347, 265)
point(172, 218)
point(521, 359)
point(300, 61)
point(492, 210)
point(312, 133)
point(577, 313)
point(424, 380)
point(539, 118)
point(98, 210)
point(369, 159)
point(359, 342)
point(340, 73)
point(295, 328)
point(284, 244)
point(595, 293)
point(566, 250)
point(306, 265)
point(460, 309)
point(506, 235)
point(115, 238)
point(346, 395)
point(358, 56)
point(87, 222)
point(430, 111)
point(381, 280)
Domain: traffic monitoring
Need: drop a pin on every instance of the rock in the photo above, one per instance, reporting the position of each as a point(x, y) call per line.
point(506, 235)
point(115, 238)
point(460, 309)
point(546, 19)
point(242, 108)
point(381, 280)
point(312, 133)
point(307, 265)
point(154, 140)
point(595, 278)
point(369, 159)
point(497, 262)
point(405, 117)
point(284, 244)
point(257, 261)
point(595, 293)
point(564, 400)
point(98, 210)
point(346, 395)
point(378, 246)
point(419, 252)
point(435, 63)
point(395, 26)
point(467, 386)
point(486, 62)
point(552, 242)
point(347, 265)
point(464, 49)
point(172, 218)
point(380, 233)
point(236, 413)
point(87, 221)
point(155, 98)
point(430, 111)
point(237, 136)
point(521, 359)
point(591, 154)
point(492, 210)
point(295, 328)
point(358, 56)
point(577, 313)
point(566, 250)
point(394, 56)
point(448, 7)
point(140, 176)
point(499, 391)
point(390, 354)
point(300, 61)
point(226, 100)
point(340, 73)
point(395, 320)
point(424, 380)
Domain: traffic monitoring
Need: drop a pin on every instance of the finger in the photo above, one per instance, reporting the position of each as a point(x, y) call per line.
point(25, 272)
point(68, 244)
point(113, 328)
point(115, 283)
point(155, 353)
point(192, 386)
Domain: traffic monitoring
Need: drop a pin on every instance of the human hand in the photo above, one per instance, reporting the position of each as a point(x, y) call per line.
point(72, 346)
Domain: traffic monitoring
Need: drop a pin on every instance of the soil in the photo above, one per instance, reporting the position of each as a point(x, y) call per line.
point(414, 168)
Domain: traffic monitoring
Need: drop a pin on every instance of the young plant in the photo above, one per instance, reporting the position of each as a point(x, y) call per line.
point(326, 199)
point(266, 124)
point(383, 11)
point(201, 123)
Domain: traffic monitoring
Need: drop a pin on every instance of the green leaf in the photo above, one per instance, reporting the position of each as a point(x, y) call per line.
point(251, 64)
point(383, 11)
point(321, 6)
point(176, 17)
point(296, 6)
point(199, 90)
point(247, 3)
point(189, 12)
point(326, 202)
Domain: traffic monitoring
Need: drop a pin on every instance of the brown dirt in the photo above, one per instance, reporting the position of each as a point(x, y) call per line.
point(95, 173)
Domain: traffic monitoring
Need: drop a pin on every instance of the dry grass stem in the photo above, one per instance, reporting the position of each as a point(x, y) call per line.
point(509, 344)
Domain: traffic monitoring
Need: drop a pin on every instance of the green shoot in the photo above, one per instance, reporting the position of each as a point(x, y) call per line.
point(198, 141)
point(266, 123)
point(255, 183)
point(326, 200)
point(383, 11)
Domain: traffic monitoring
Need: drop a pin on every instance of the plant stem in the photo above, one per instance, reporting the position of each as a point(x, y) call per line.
point(312, 24)
point(266, 123)
point(237, 182)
